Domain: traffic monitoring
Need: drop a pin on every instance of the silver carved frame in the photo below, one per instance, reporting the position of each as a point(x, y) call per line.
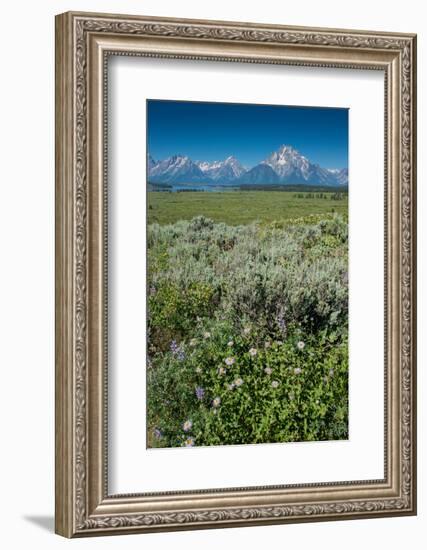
point(83, 43)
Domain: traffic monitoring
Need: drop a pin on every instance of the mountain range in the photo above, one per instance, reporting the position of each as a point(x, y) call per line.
point(284, 166)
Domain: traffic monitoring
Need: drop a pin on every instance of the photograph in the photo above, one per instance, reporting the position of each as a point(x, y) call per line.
point(247, 273)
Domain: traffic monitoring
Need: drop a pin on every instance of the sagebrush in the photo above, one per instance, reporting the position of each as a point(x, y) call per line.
point(247, 332)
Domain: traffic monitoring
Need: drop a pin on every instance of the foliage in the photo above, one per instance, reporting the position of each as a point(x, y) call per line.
point(236, 207)
point(247, 331)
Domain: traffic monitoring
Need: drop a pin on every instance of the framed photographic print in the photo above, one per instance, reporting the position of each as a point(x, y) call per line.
point(235, 274)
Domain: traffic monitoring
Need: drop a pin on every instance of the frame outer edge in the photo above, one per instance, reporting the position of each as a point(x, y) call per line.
point(73, 517)
point(64, 237)
point(233, 23)
point(414, 270)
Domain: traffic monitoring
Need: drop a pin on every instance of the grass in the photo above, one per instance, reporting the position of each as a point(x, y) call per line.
point(238, 207)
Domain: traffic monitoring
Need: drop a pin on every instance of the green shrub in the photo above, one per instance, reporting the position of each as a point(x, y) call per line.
point(173, 311)
point(284, 282)
point(254, 391)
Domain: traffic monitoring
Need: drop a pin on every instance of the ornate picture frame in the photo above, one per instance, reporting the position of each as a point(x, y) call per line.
point(84, 42)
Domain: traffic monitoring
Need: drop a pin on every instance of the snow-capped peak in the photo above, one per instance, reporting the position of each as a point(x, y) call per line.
point(205, 165)
point(286, 160)
point(176, 168)
point(221, 170)
point(286, 165)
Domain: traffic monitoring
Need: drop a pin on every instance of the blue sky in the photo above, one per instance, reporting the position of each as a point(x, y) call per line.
point(214, 131)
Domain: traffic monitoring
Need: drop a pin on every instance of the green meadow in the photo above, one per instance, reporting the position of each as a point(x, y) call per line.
point(242, 207)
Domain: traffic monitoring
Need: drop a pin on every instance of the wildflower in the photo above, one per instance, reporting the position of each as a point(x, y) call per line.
point(206, 335)
point(157, 433)
point(216, 402)
point(268, 370)
point(189, 442)
point(300, 345)
point(198, 370)
point(193, 342)
point(222, 370)
point(200, 392)
point(229, 361)
point(187, 425)
point(230, 344)
point(246, 330)
point(253, 352)
point(238, 382)
point(297, 370)
point(275, 384)
point(174, 347)
point(231, 386)
point(177, 350)
point(267, 345)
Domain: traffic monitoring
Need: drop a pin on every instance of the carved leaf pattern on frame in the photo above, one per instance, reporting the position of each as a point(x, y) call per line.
point(230, 33)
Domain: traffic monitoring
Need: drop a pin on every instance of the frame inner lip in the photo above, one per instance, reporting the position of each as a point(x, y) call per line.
point(215, 492)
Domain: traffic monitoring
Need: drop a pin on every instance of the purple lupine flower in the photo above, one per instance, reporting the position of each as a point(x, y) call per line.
point(174, 347)
point(200, 392)
point(177, 350)
point(157, 433)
